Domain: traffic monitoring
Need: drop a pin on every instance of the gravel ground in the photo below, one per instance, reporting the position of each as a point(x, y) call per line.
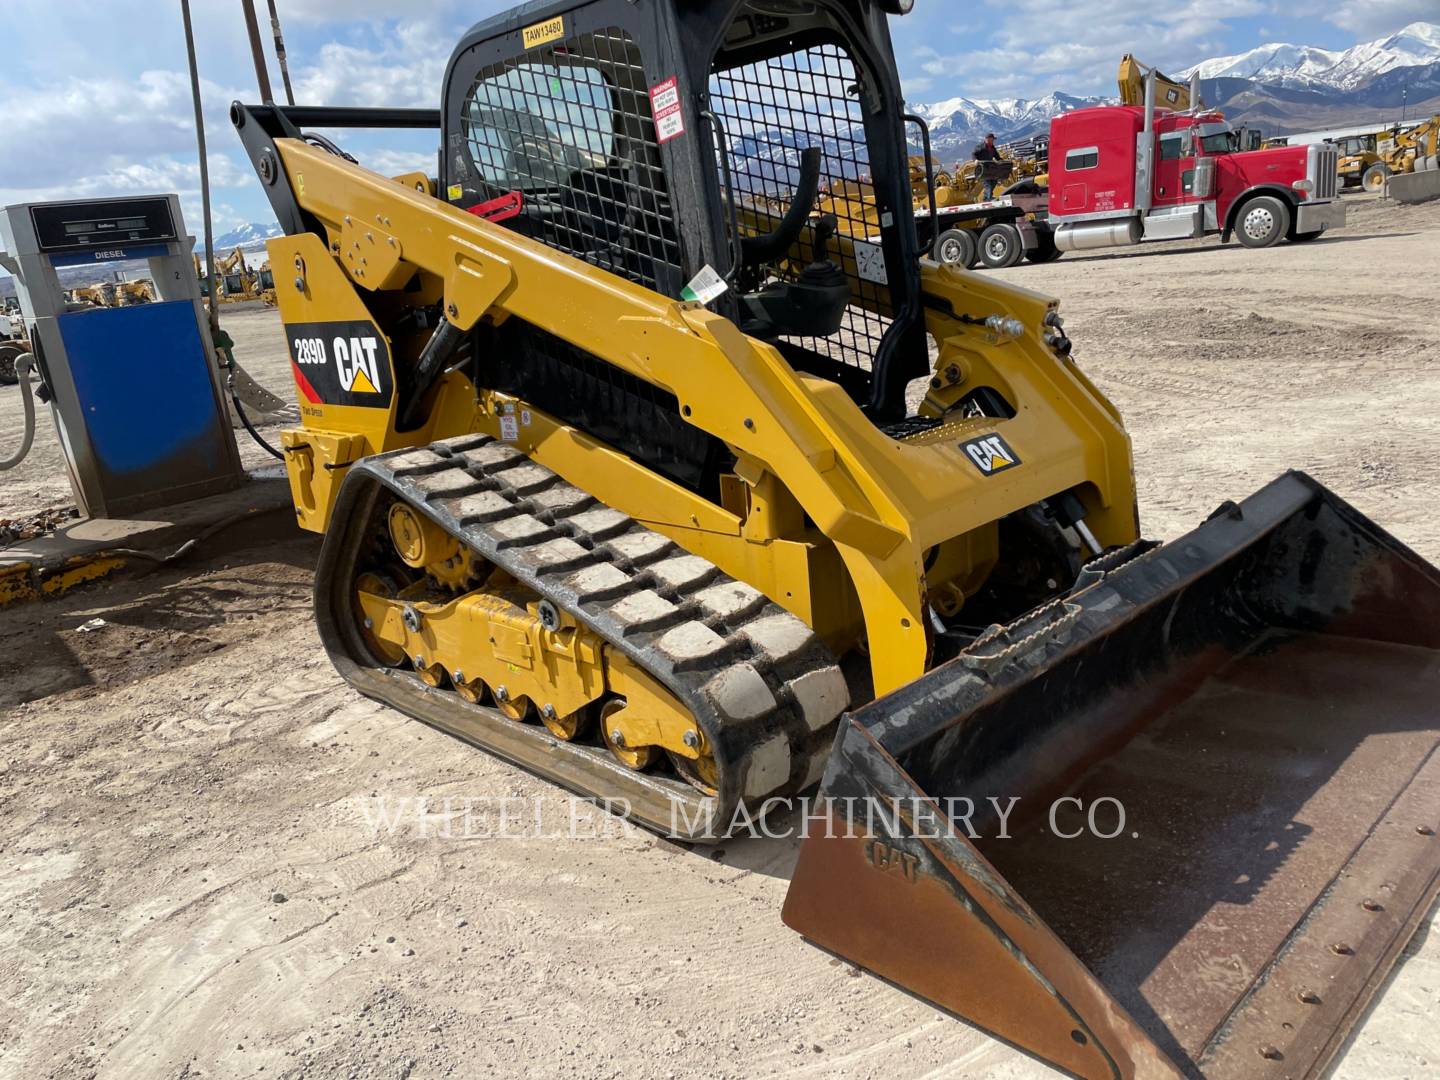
point(198, 880)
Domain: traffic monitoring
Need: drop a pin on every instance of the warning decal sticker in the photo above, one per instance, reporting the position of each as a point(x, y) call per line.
point(341, 363)
point(665, 108)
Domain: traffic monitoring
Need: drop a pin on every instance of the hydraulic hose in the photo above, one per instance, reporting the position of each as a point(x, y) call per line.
point(23, 363)
point(240, 412)
point(223, 346)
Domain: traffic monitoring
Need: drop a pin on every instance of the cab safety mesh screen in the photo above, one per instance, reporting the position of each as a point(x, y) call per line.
point(569, 127)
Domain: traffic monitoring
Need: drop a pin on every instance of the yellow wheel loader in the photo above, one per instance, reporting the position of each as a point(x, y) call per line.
point(642, 488)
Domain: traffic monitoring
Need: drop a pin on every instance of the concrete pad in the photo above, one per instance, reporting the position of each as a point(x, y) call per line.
point(95, 547)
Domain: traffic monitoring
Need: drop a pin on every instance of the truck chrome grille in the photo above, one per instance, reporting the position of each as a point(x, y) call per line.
point(1325, 169)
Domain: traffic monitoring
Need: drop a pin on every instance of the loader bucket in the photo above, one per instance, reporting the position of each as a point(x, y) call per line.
point(1262, 697)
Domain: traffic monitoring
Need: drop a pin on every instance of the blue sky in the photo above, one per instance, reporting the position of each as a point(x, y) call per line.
point(97, 98)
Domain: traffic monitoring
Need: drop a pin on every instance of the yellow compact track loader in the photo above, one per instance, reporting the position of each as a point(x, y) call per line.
point(639, 472)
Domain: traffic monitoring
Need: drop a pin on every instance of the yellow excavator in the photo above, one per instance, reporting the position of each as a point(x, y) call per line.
point(640, 470)
point(235, 278)
point(236, 281)
point(1411, 149)
point(1173, 94)
point(1169, 93)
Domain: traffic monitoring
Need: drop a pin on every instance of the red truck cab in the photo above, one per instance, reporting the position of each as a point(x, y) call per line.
point(1124, 174)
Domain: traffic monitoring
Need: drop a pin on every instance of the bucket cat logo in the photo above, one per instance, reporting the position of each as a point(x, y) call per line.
point(341, 363)
point(991, 454)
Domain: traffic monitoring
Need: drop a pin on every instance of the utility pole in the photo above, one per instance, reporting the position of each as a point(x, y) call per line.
point(257, 52)
point(213, 305)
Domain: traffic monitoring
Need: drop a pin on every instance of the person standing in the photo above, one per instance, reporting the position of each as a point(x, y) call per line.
point(987, 151)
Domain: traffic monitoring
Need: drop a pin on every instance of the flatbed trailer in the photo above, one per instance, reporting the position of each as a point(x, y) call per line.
point(994, 233)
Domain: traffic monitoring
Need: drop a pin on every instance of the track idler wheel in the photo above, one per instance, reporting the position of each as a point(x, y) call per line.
point(637, 757)
point(701, 772)
point(472, 690)
point(515, 707)
point(386, 652)
point(569, 727)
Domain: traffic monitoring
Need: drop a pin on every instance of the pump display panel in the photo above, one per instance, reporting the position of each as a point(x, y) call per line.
point(84, 225)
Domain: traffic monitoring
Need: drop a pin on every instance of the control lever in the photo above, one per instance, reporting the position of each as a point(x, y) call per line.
point(770, 246)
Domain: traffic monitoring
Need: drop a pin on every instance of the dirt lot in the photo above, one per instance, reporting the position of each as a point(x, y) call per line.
point(196, 881)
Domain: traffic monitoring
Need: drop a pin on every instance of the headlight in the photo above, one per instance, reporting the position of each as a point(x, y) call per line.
point(1307, 186)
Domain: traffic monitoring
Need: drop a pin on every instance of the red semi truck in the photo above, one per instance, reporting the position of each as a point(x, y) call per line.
point(1124, 174)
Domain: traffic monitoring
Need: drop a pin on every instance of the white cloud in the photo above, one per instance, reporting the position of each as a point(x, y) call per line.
point(395, 162)
point(1082, 43)
point(406, 70)
point(72, 127)
point(111, 136)
point(322, 11)
point(1370, 19)
point(117, 175)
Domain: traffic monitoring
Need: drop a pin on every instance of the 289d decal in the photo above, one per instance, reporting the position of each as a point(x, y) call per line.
point(341, 363)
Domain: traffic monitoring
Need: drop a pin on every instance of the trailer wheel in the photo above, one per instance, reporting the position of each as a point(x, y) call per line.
point(1263, 221)
point(956, 247)
point(1000, 246)
point(1374, 178)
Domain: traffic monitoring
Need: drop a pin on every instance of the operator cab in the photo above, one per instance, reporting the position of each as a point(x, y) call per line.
point(693, 147)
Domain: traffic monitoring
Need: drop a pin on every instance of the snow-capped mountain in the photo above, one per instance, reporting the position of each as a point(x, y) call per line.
point(1011, 115)
point(1280, 88)
point(956, 124)
point(248, 235)
point(1305, 67)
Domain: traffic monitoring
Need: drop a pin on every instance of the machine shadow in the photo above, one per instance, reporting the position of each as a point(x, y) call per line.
point(161, 618)
point(1141, 252)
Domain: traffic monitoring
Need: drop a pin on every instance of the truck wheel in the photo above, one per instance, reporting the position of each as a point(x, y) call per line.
point(1044, 250)
point(1262, 222)
point(956, 247)
point(974, 263)
point(1000, 246)
point(1374, 178)
point(9, 353)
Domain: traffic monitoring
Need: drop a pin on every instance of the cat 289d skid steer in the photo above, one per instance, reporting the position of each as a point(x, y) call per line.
point(639, 472)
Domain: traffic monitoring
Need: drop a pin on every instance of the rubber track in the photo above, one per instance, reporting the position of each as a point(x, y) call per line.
point(762, 687)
